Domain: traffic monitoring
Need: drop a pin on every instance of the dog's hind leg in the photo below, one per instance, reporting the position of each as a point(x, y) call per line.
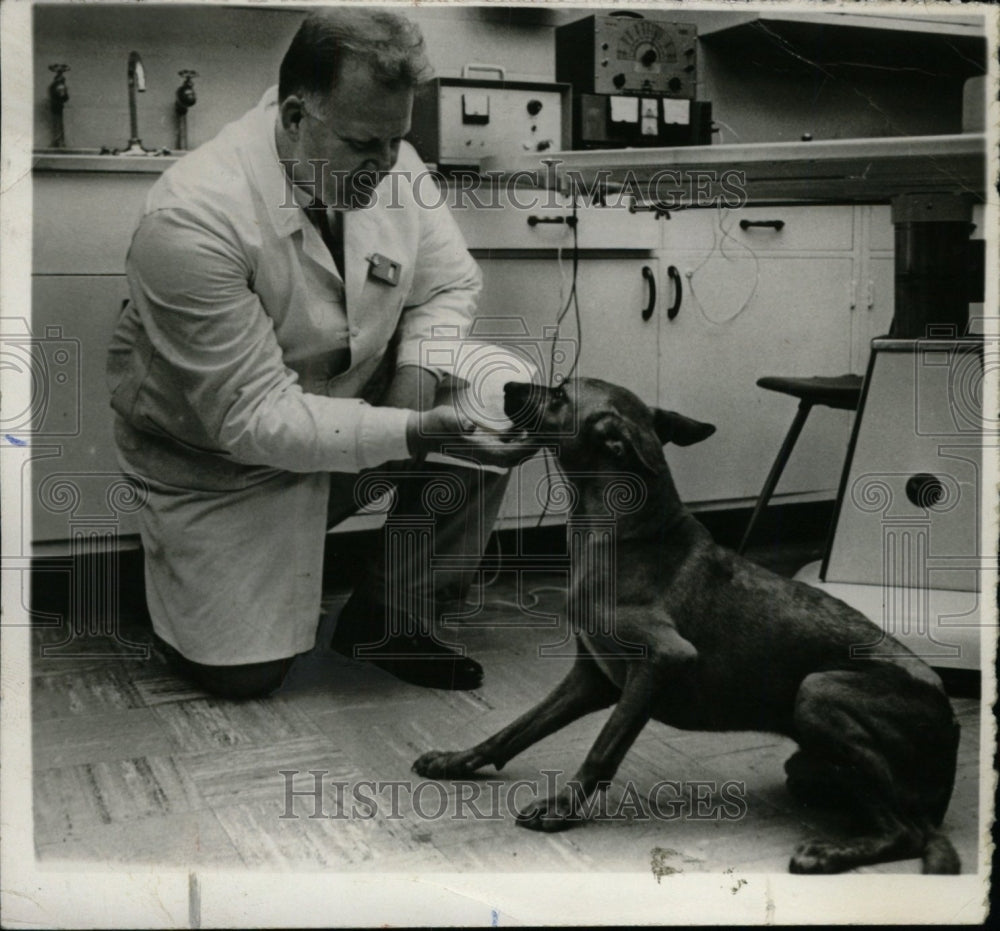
point(584, 690)
point(878, 732)
point(817, 781)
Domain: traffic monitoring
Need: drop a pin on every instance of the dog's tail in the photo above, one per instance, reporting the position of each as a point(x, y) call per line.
point(940, 856)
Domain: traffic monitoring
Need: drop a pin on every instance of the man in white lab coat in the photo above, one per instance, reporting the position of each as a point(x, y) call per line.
point(284, 287)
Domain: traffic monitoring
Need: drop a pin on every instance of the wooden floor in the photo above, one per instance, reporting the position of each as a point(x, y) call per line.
point(133, 765)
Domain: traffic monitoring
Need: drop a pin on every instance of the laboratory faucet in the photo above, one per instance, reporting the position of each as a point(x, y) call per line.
point(136, 85)
point(185, 98)
point(58, 95)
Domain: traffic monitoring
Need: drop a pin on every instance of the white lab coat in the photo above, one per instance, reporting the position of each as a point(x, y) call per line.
point(226, 373)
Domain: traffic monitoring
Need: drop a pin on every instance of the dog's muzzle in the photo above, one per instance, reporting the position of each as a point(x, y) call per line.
point(524, 403)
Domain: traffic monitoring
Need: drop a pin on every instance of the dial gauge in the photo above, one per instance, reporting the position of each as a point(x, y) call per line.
point(647, 46)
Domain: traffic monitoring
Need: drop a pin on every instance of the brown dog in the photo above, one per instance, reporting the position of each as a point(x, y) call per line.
point(700, 638)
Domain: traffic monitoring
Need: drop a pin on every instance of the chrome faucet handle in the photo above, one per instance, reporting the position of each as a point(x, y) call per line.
point(58, 91)
point(186, 96)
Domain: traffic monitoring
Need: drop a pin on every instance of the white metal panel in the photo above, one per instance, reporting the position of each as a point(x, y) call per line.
point(922, 415)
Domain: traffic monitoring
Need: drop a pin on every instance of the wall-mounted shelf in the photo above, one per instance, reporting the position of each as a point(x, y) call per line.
point(92, 160)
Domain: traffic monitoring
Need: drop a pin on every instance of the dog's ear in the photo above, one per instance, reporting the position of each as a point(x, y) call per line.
point(672, 427)
point(620, 437)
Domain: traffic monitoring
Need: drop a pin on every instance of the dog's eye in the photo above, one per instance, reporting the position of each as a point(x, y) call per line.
point(558, 395)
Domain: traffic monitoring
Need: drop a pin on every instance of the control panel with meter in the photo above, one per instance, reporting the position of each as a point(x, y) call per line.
point(616, 54)
point(634, 80)
point(457, 122)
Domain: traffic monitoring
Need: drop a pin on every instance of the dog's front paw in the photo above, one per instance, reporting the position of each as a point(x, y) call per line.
point(817, 857)
point(441, 764)
point(556, 813)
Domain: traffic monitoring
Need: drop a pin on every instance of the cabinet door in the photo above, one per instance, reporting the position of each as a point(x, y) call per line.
point(769, 309)
point(876, 290)
point(876, 305)
point(523, 297)
point(83, 221)
point(76, 482)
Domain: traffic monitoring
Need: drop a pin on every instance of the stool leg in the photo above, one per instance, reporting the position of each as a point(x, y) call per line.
point(784, 454)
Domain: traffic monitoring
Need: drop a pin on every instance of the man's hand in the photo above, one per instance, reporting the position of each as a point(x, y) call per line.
point(428, 431)
point(505, 450)
point(429, 428)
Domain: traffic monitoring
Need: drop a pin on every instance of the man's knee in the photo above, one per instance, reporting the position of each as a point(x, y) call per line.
point(250, 680)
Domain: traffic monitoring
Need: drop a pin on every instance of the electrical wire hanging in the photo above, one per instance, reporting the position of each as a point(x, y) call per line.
point(721, 248)
point(572, 301)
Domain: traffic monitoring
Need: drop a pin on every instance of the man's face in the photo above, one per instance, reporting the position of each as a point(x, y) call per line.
point(352, 137)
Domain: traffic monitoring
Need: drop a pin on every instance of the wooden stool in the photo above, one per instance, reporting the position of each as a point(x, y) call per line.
point(842, 392)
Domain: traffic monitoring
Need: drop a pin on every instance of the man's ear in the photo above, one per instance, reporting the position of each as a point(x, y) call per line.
point(672, 427)
point(292, 111)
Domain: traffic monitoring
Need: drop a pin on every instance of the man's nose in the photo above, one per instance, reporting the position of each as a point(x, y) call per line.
point(384, 157)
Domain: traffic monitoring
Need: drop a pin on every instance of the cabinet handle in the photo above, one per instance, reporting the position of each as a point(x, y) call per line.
point(675, 276)
point(647, 273)
point(777, 225)
point(569, 221)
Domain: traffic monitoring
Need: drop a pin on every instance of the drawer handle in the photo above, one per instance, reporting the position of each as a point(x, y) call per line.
point(675, 276)
point(655, 207)
point(647, 273)
point(534, 221)
point(777, 225)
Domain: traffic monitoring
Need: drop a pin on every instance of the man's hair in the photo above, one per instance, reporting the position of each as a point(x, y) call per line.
point(389, 44)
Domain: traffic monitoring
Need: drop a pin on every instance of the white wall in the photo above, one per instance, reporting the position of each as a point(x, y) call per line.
point(236, 52)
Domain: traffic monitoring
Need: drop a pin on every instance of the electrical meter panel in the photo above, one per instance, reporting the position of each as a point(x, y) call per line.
point(457, 122)
point(628, 54)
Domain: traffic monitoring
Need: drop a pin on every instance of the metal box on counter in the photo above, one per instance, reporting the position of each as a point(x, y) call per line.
point(634, 81)
point(628, 54)
point(457, 122)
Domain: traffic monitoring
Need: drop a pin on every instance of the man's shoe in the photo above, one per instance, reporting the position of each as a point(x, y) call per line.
point(414, 658)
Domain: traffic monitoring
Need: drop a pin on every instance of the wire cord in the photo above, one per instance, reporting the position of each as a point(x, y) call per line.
point(720, 247)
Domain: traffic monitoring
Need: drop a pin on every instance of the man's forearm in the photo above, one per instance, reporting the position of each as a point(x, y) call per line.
point(412, 387)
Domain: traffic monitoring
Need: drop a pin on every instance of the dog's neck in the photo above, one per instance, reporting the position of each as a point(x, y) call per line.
point(641, 506)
